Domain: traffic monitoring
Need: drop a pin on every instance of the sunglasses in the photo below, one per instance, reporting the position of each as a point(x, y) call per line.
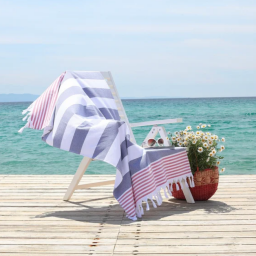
point(153, 142)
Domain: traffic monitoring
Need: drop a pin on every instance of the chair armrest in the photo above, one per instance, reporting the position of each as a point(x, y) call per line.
point(166, 121)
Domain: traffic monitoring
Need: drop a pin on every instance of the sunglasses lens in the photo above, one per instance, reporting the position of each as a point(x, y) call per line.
point(160, 142)
point(151, 142)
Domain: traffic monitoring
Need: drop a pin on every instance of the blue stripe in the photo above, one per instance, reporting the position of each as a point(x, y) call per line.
point(106, 140)
point(98, 92)
point(84, 111)
point(110, 113)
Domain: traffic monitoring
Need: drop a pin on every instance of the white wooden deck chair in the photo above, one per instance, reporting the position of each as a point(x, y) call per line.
point(153, 132)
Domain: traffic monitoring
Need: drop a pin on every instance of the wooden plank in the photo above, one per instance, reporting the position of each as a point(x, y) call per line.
point(65, 249)
point(179, 228)
point(188, 249)
point(35, 221)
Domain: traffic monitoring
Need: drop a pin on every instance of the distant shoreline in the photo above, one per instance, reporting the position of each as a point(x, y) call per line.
point(156, 98)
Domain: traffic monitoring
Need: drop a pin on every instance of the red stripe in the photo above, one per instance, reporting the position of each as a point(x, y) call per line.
point(152, 186)
point(44, 105)
point(150, 172)
point(164, 160)
point(46, 121)
point(157, 177)
point(145, 190)
point(128, 204)
point(124, 194)
point(130, 210)
point(168, 167)
point(54, 96)
point(37, 111)
point(142, 193)
point(46, 100)
point(158, 174)
point(39, 114)
point(129, 196)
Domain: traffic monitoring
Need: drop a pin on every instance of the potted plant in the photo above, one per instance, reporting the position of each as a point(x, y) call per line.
point(202, 150)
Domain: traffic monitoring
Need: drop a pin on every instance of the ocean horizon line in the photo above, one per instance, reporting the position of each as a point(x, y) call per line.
point(122, 98)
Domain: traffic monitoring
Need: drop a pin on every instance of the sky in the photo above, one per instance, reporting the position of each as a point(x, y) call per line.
point(153, 48)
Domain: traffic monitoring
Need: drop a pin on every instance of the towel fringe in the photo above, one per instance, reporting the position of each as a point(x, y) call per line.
point(28, 117)
point(165, 193)
point(22, 128)
point(156, 195)
point(131, 218)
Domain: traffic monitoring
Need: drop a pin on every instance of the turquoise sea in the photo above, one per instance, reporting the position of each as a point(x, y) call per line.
point(232, 118)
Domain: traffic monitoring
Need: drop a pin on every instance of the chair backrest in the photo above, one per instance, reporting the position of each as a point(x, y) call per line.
point(110, 81)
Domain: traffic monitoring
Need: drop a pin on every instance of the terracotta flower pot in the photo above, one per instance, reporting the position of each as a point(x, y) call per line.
point(206, 184)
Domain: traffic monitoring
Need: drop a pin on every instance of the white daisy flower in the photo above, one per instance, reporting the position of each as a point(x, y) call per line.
point(214, 151)
point(180, 144)
point(220, 150)
point(222, 147)
point(198, 127)
point(198, 133)
point(223, 170)
point(200, 124)
point(169, 133)
point(210, 142)
point(203, 140)
point(185, 132)
point(167, 138)
point(216, 137)
point(173, 138)
point(203, 126)
point(194, 141)
point(189, 128)
point(205, 137)
point(205, 145)
point(185, 143)
point(218, 162)
point(208, 133)
point(200, 150)
point(210, 154)
point(223, 139)
point(178, 139)
point(208, 159)
point(209, 125)
point(212, 137)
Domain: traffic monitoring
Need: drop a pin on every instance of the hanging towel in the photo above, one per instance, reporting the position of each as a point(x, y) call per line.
point(85, 121)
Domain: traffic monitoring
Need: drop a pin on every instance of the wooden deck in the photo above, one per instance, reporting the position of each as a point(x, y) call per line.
point(35, 221)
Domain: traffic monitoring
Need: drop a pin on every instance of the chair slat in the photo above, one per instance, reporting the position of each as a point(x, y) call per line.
point(109, 79)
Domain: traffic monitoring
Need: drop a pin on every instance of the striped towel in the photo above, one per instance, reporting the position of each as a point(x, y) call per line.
point(41, 110)
point(85, 121)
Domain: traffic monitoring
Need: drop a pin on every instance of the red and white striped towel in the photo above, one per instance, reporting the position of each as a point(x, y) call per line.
point(41, 110)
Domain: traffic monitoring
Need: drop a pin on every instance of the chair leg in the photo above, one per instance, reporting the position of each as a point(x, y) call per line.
point(187, 193)
point(77, 177)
